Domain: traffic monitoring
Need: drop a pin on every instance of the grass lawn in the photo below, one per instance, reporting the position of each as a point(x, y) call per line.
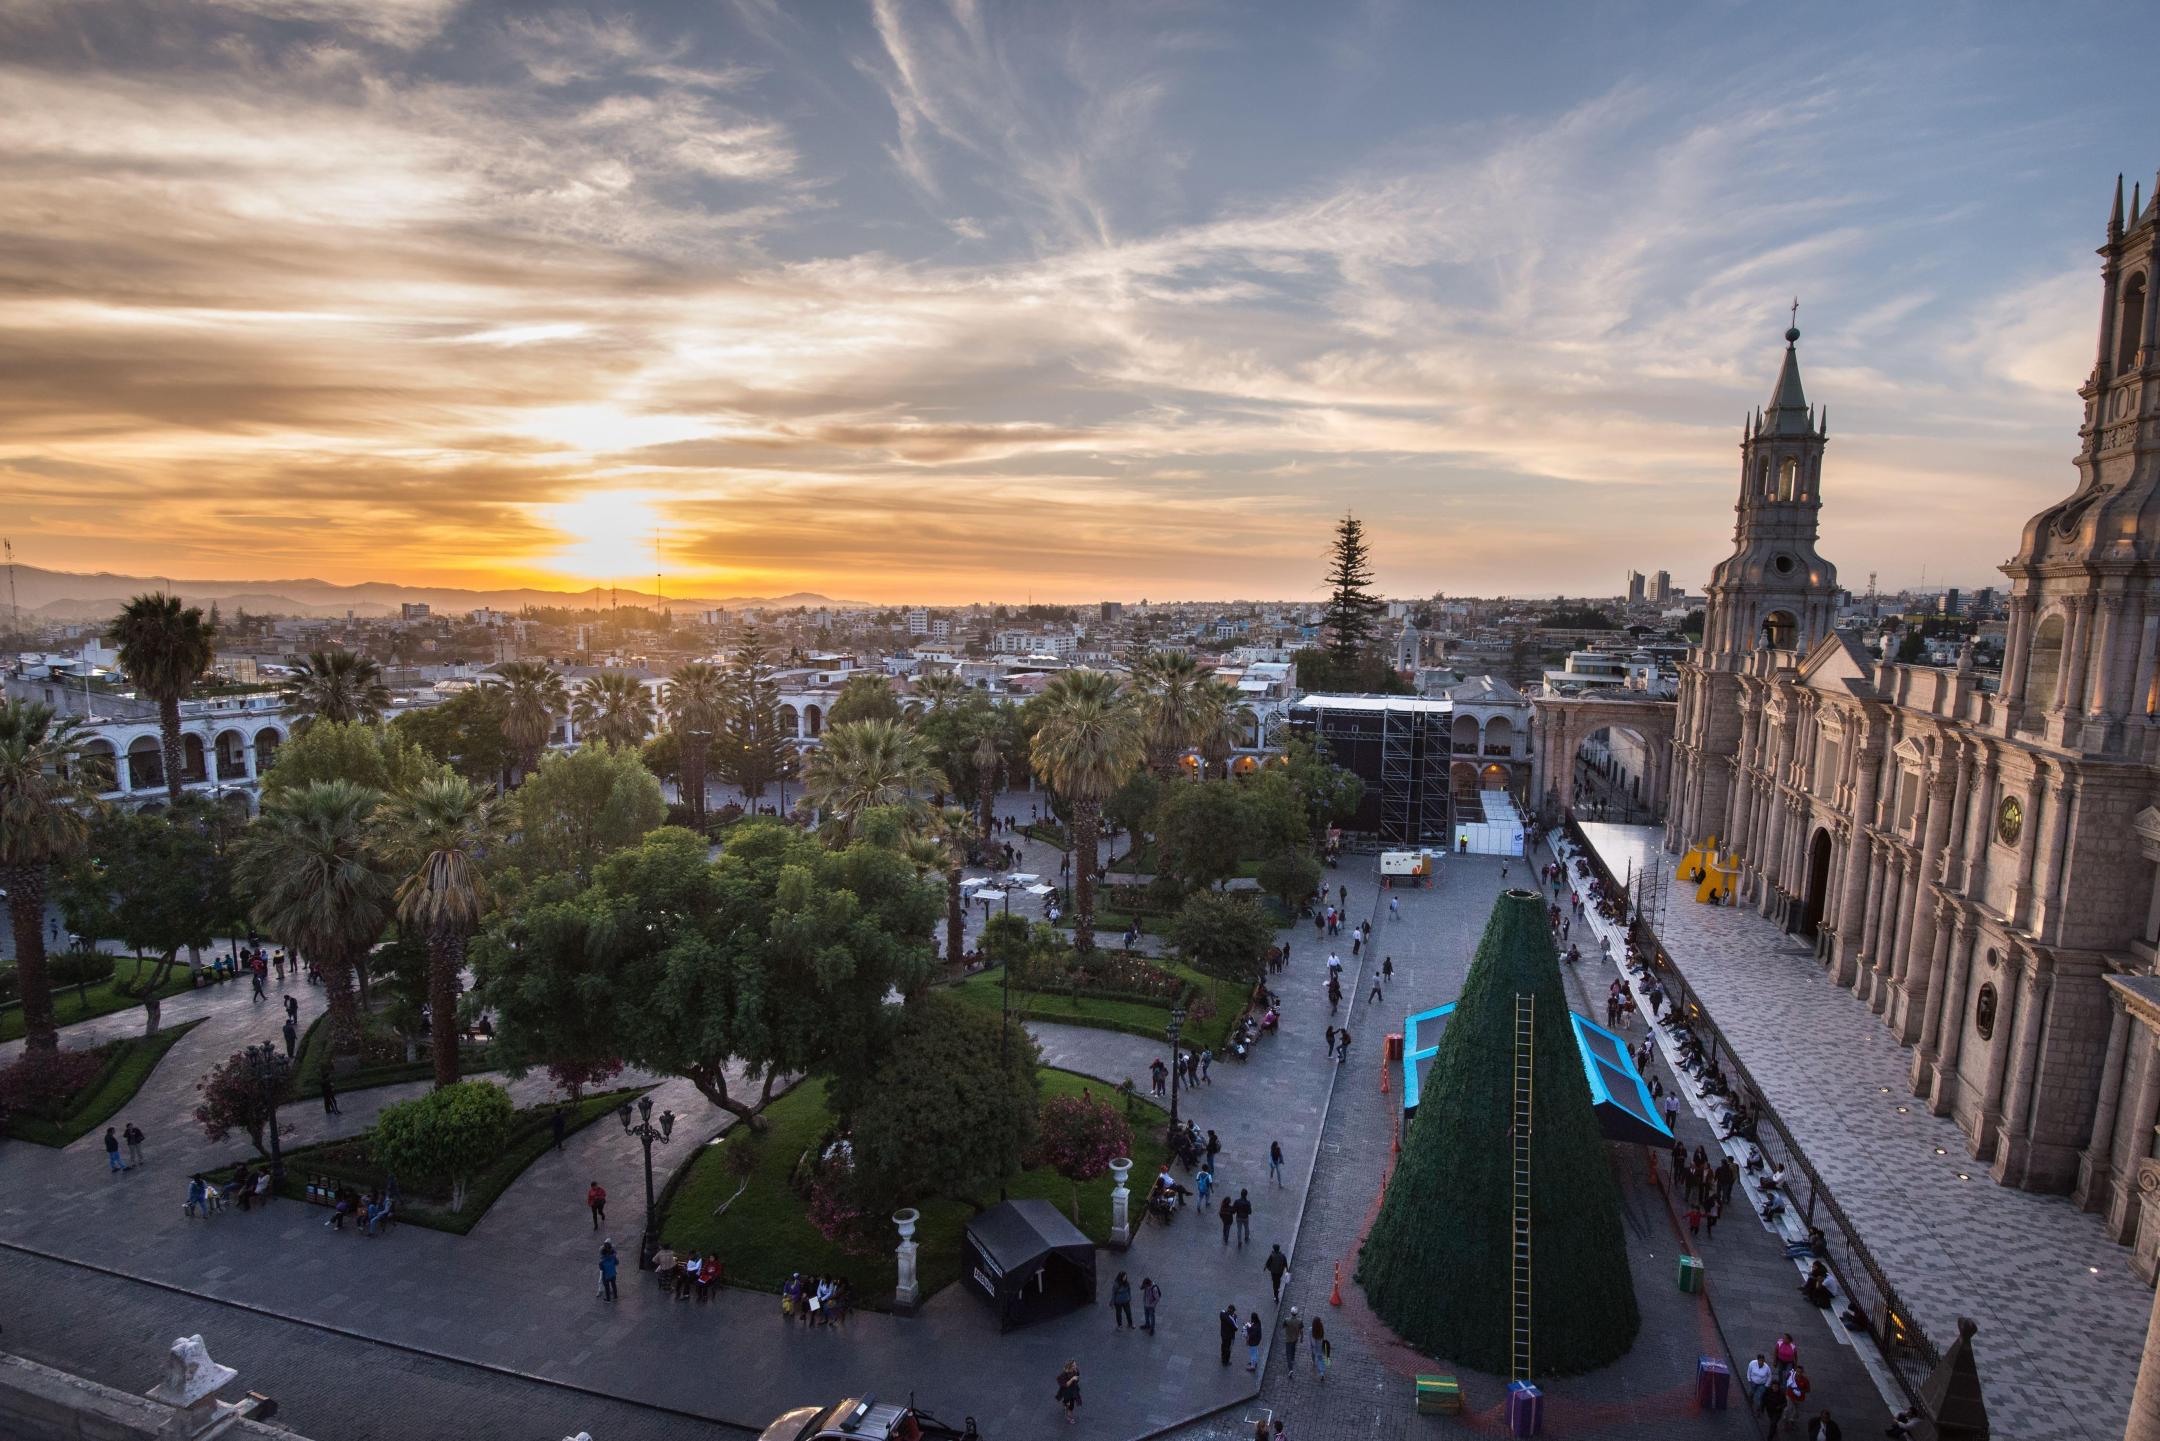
point(531, 1134)
point(764, 1235)
point(1139, 1018)
point(100, 999)
point(314, 1055)
point(128, 1064)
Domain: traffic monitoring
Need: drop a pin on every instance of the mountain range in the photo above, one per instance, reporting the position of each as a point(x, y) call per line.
point(58, 595)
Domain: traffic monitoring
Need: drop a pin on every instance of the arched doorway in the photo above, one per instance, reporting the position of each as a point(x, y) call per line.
point(813, 721)
point(146, 764)
point(1818, 884)
point(267, 741)
point(1612, 776)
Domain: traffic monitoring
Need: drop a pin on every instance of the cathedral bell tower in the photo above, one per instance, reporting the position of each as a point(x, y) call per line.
point(1774, 592)
point(2079, 659)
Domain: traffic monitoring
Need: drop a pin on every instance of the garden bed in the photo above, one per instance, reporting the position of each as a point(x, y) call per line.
point(127, 1064)
point(74, 1002)
point(314, 1055)
point(348, 1162)
point(765, 1233)
point(1113, 1011)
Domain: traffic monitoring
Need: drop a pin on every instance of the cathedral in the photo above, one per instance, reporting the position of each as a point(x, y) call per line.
point(1975, 855)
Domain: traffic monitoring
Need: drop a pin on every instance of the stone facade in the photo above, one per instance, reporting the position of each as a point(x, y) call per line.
point(1974, 855)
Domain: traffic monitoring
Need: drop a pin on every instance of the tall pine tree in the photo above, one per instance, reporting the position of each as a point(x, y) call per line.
point(752, 747)
point(1437, 1265)
point(1353, 612)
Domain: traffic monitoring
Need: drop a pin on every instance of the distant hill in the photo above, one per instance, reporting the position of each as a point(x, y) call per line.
point(58, 595)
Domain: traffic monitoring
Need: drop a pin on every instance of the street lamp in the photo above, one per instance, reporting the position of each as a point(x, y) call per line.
point(648, 1133)
point(1176, 1028)
point(269, 1069)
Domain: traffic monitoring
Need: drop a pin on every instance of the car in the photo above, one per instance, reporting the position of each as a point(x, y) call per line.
point(864, 1418)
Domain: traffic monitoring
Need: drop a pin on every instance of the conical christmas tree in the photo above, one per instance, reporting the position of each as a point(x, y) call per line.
point(1438, 1266)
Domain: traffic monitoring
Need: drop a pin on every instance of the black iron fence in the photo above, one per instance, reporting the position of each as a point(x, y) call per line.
point(1860, 1278)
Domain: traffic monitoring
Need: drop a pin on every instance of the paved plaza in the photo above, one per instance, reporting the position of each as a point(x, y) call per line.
point(2062, 1319)
point(505, 1319)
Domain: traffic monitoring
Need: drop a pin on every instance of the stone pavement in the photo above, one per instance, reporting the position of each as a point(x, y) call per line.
point(2062, 1320)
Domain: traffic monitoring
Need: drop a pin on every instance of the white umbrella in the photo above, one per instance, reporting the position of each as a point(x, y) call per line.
point(1024, 878)
point(1041, 890)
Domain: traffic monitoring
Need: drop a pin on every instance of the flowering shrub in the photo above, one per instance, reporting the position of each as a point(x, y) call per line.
point(1106, 974)
point(575, 1076)
point(839, 1218)
point(42, 1083)
point(234, 1100)
point(1079, 1137)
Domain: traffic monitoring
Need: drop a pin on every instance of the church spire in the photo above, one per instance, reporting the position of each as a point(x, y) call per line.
point(2115, 220)
point(1788, 413)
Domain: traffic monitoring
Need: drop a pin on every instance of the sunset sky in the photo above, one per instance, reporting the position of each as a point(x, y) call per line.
point(947, 301)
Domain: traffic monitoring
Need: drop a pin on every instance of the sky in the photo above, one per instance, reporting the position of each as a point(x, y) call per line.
point(946, 300)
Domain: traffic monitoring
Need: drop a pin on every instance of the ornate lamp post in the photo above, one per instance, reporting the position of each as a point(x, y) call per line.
point(1175, 1029)
point(648, 1133)
point(269, 1069)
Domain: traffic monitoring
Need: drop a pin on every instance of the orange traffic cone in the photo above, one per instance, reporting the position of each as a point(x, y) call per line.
point(1335, 1296)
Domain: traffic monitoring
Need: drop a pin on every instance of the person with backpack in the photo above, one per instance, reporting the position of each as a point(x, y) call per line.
point(609, 1264)
point(596, 1201)
point(1321, 1350)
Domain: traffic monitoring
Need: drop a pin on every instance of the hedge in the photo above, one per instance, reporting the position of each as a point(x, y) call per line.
point(128, 1063)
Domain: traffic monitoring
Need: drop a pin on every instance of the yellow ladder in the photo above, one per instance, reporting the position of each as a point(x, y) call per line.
point(1525, 1031)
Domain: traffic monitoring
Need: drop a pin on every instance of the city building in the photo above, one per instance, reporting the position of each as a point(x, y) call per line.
point(1425, 760)
point(918, 622)
point(1974, 856)
point(1661, 589)
point(1634, 587)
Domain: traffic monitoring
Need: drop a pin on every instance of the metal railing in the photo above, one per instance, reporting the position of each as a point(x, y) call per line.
point(1861, 1280)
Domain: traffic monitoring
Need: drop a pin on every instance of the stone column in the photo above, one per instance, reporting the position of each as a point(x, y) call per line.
point(2055, 857)
point(2015, 653)
point(2122, 1216)
point(2103, 697)
point(1896, 885)
point(247, 755)
point(1942, 1086)
point(1120, 1205)
point(1852, 904)
point(2077, 648)
point(2148, 653)
point(1917, 985)
point(1930, 1000)
point(2096, 1167)
point(2145, 1401)
point(1876, 875)
point(2008, 1014)
point(2015, 1148)
point(907, 1290)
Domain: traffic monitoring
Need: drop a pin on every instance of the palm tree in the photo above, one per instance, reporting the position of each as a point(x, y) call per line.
point(337, 686)
point(436, 834)
point(44, 795)
point(1167, 687)
point(164, 649)
point(320, 886)
point(942, 846)
point(536, 698)
point(1087, 745)
point(987, 732)
point(864, 764)
point(937, 691)
point(614, 708)
point(1223, 719)
point(695, 698)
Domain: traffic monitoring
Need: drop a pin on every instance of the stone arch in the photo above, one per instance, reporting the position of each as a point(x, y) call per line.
point(1560, 724)
point(1499, 736)
point(267, 741)
point(194, 759)
point(1494, 777)
point(1463, 735)
point(100, 765)
point(790, 720)
point(2130, 324)
point(1780, 631)
point(229, 751)
point(1788, 478)
point(2044, 662)
point(146, 764)
point(813, 720)
point(1463, 782)
point(1818, 883)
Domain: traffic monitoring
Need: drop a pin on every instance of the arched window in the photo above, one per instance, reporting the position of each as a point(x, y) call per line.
point(1762, 478)
point(1788, 480)
point(2130, 324)
point(2043, 667)
point(1780, 631)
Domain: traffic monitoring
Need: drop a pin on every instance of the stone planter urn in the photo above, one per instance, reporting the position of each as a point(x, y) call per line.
point(908, 1291)
point(1120, 1203)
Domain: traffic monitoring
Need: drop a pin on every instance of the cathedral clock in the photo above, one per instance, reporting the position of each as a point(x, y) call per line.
point(2010, 820)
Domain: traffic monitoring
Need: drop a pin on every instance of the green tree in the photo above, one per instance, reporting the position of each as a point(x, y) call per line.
point(1225, 935)
point(864, 697)
point(938, 690)
point(1085, 746)
point(445, 1135)
point(775, 960)
point(950, 1112)
point(1078, 1137)
point(44, 799)
point(336, 685)
point(694, 698)
point(1353, 611)
point(1289, 875)
point(863, 765)
point(1330, 793)
point(583, 805)
point(613, 708)
point(165, 883)
point(234, 1099)
point(436, 835)
point(1199, 832)
point(754, 748)
point(465, 732)
point(534, 700)
point(1437, 1265)
point(1170, 704)
point(1221, 721)
point(320, 888)
point(378, 757)
point(165, 648)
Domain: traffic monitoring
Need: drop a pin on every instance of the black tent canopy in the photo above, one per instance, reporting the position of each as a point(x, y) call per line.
point(1029, 1262)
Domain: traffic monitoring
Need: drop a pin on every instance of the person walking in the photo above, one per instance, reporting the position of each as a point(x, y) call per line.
point(1293, 1339)
point(1254, 1334)
point(112, 1151)
point(255, 979)
point(558, 1123)
point(1394, 908)
point(596, 1200)
point(1757, 1377)
point(1824, 1428)
point(133, 1135)
point(1214, 1149)
point(1342, 1047)
point(1121, 1304)
point(1711, 1212)
point(1243, 1211)
point(1068, 1391)
point(1797, 1386)
point(1334, 994)
point(1226, 1321)
point(1773, 1406)
point(1150, 1298)
point(329, 1095)
point(1203, 1183)
point(1274, 1161)
point(1375, 993)
point(1320, 1348)
point(609, 1263)
point(1331, 1040)
point(292, 1037)
point(1228, 1214)
point(292, 1009)
point(1276, 1265)
point(1387, 969)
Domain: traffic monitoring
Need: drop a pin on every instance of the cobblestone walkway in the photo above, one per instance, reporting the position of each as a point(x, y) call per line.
point(2062, 1319)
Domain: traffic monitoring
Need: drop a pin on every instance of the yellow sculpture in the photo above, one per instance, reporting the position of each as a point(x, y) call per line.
point(1718, 880)
point(1691, 864)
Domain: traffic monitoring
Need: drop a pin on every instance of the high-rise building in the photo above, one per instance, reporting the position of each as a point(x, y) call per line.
point(918, 622)
point(1634, 587)
point(1661, 587)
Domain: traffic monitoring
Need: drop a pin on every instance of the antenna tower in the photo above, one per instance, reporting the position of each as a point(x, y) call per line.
point(14, 610)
